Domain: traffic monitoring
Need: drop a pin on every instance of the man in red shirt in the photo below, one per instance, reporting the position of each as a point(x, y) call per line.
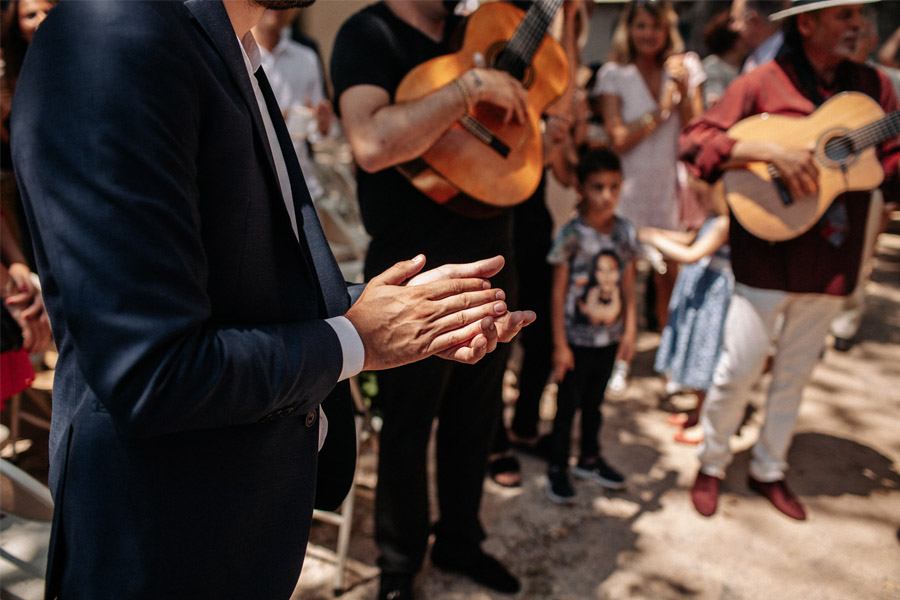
point(800, 282)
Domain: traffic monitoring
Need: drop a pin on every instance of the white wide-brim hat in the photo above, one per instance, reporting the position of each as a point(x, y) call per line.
point(803, 6)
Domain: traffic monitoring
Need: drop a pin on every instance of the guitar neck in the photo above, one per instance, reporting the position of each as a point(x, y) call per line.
point(528, 36)
point(875, 133)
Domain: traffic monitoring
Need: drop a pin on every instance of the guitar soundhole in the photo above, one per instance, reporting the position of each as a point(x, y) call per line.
point(839, 149)
point(493, 53)
point(494, 56)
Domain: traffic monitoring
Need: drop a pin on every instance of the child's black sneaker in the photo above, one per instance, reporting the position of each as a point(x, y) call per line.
point(559, 488)
point(600, 472)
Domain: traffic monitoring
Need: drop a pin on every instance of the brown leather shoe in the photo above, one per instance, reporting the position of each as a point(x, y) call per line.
point(705, 494)
point(780, 496)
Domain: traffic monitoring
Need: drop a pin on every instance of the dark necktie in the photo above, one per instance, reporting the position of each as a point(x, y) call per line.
point(315, 246)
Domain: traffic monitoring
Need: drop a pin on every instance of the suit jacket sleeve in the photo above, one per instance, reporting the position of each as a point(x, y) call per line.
point(105, 145)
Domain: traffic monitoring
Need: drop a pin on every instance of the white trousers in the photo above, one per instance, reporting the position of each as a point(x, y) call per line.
point(751, 329)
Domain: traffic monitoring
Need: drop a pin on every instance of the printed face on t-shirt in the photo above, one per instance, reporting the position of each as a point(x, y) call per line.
point(607, 274)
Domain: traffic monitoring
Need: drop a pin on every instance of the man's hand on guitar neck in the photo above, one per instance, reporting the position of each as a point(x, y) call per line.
point(796, 166)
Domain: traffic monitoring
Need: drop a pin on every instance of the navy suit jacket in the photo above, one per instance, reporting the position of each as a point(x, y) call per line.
point(189, 320)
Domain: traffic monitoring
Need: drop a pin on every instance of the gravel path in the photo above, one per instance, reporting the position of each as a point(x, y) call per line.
point(647, 542)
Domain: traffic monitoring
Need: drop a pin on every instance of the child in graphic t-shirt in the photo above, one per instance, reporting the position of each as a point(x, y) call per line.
point(593, 314)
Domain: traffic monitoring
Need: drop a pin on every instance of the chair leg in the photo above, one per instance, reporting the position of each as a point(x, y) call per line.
point(343, 541)
point(40, 400)
point(15, 405)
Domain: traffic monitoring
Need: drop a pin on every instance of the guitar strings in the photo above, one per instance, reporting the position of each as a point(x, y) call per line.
point(532, 25)
point(877, 132)
point(532, 30)
point(523, 43)
point(523, 30)
point(546, 14)
point(840, 148)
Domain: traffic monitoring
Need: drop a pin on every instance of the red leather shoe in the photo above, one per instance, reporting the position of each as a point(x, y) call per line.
point(780, 496)
point(705, 494)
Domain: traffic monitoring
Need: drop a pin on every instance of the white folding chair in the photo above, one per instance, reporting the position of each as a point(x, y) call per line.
point(24, 533)
point(343, 519)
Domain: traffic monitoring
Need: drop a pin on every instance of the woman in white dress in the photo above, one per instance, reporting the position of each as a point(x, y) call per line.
point(648, 91)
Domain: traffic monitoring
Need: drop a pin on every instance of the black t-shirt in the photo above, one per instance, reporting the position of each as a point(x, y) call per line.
point(375, 47)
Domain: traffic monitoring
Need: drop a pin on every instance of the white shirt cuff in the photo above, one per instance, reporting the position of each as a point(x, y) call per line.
point(351, 346)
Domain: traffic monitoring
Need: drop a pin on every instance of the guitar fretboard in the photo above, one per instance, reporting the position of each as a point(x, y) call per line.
point(521, 48)
point(874, 133)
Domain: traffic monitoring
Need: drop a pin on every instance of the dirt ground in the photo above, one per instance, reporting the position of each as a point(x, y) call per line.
point(648, 543)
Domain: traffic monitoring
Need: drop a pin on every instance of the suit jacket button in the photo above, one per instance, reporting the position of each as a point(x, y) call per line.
point(310, 418)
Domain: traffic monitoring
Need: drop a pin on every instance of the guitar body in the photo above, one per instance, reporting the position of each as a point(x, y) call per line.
point(754, 197)
point(461, 163)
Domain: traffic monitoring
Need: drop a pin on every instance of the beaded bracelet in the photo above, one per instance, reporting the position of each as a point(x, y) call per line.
point(467, 99)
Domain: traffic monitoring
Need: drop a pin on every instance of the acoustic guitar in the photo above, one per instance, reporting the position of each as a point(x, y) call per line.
point(480, 156)
point(844, 132)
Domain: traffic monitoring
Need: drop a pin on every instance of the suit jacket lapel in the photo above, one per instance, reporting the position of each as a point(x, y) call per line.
point(334, 288)
point(215, 22)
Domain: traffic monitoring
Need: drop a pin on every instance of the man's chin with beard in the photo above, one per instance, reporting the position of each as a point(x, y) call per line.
point(283, 4)
point(846, 48)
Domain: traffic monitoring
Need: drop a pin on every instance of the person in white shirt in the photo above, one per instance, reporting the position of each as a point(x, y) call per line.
point(296, 80)
point(750, 19)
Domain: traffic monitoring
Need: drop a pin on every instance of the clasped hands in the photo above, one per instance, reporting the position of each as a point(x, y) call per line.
point(452, 311)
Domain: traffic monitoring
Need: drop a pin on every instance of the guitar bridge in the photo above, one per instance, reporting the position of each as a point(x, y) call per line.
point(484, 135)
point(778, 182)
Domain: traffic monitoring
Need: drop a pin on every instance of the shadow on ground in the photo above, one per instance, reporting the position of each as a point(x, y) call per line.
point(826, 465)
point(545, 543)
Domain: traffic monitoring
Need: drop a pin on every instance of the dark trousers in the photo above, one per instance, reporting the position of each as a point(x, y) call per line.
point(537, 355)
point(532, 232)
point(466, 399)
point(583, 387)
point(535, 281)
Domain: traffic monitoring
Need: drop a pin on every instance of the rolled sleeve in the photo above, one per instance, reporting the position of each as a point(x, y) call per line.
point(704, 150)
point(704, 144)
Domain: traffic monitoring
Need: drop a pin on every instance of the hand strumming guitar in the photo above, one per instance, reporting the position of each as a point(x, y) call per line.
point(498, 88)
point(798, 169)
point(796, 166)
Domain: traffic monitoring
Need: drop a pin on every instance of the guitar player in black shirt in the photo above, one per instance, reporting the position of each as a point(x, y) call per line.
point(373, 51)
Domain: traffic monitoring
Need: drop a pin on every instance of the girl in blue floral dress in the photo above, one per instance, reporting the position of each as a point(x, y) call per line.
point(692, 339)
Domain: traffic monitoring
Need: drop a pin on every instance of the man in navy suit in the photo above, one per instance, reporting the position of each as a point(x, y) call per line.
point(202, 323)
